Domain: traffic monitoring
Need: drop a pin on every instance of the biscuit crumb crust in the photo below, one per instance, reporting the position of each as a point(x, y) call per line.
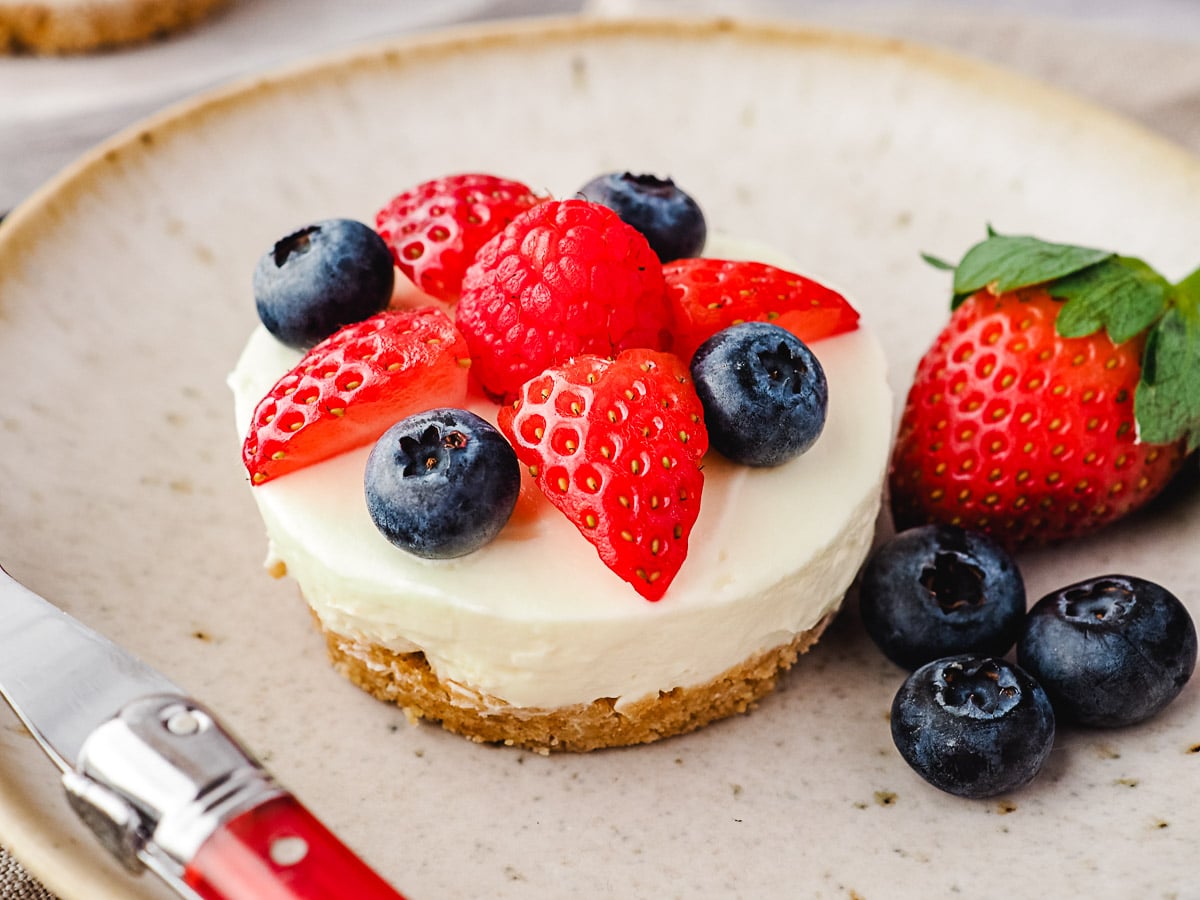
point(407, 680)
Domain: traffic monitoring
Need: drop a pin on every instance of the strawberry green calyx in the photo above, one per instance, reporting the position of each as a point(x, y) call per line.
point(1167, 401)
point(1119, 294)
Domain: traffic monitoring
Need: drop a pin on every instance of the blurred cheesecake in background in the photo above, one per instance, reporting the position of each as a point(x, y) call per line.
point(82, 26)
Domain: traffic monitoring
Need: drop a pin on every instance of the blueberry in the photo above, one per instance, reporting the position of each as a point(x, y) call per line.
point(1110, 651)
point(938, 590)
point(764, 394)
point(324, 276)
point(670, 219)
point(441, 483)
point(973, 726)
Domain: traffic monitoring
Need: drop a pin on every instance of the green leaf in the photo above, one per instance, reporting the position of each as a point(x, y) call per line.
point(1187, 294)
point(1120, 294)
point(937, 262)
point(1167, 401)
point(1015, 261)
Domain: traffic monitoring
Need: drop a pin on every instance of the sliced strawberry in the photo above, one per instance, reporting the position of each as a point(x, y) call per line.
point(435, 229)
point(707, 295)
point(565, 278)
point(353, 386)
point(616, 445)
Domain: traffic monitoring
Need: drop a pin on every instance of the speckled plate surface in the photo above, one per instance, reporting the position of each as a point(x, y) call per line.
point(124, 300)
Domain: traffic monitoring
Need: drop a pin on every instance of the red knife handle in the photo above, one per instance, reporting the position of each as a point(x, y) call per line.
point(279, 851)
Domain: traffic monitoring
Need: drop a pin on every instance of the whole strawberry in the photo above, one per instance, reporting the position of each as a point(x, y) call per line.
point(1063, 394)
point(616, 445)
point(565, 278)
point(353, 386)
point(708, 295)
point(435, 229)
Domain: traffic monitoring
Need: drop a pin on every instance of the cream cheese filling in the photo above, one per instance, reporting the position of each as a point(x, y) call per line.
point(534, 619)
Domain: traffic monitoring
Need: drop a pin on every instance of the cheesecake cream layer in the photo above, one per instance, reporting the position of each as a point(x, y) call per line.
point(534, 619)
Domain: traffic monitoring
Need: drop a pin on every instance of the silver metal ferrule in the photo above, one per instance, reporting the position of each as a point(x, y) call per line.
point(159, 778)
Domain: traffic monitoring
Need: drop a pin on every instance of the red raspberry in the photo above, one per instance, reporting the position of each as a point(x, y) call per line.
point(435, 229)
point(567, 277)
point(616, 446)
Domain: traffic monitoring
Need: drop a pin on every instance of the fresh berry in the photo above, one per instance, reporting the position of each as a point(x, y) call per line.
point(937, 591)
point(324, 276)
point(441, 483)
point(566, 278)
point(351, 387)
point(764, 393)
point(1052, 403)
point(707, 295)
point(973, 726)
point(670, 219)
point(1109, 651)
point(435, 229)
point(616, 445)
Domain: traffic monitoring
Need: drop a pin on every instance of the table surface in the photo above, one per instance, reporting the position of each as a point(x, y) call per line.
point(1137, 59)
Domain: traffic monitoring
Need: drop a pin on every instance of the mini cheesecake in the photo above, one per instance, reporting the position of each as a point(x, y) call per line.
point(532, 641)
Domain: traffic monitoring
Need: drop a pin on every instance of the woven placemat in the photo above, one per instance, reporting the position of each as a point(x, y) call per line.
point(16, 883)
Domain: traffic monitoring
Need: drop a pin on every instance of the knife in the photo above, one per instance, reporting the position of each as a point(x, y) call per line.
point(156, 776)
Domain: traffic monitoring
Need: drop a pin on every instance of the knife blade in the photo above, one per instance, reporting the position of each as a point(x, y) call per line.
point(47, 666)
point(156, 776)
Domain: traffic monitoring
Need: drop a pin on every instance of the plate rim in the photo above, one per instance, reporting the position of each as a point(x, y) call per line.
point(21, 223)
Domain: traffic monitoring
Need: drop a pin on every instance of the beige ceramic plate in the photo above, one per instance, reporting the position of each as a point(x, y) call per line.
point(124, 300)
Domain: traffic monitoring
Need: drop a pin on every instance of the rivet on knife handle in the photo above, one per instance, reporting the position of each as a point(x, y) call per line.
point(165, 786)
